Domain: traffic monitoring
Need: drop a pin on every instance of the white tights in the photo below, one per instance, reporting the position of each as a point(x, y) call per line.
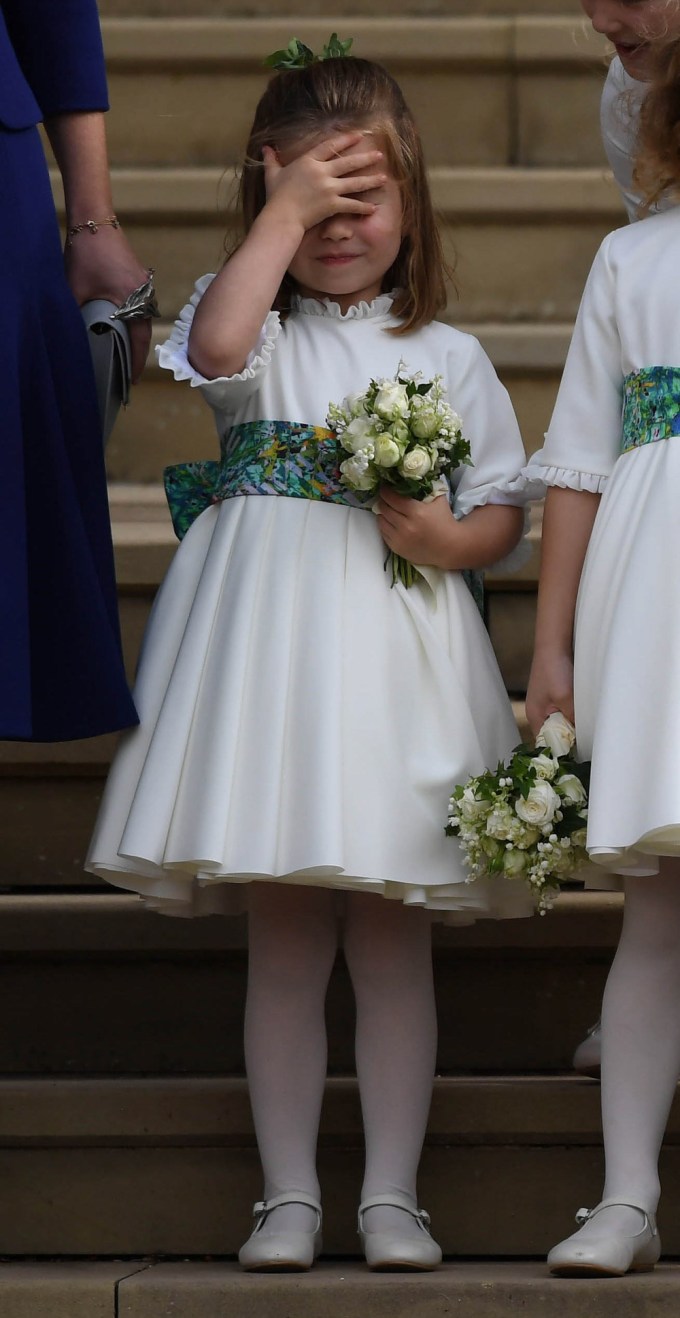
point(293, 938)
point(640, 1046)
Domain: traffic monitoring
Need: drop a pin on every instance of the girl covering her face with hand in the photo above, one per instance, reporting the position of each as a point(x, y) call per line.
point(607, 647)
point(302, 722)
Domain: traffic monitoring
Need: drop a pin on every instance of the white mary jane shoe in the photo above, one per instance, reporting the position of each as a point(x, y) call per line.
point(610, 1256)
point(388, 1251)
point(287, 1251)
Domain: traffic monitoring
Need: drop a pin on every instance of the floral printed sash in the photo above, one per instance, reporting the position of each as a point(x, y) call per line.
point(651, 406)
point(260, 457)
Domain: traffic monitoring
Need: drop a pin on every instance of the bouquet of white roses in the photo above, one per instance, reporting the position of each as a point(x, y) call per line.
point(401, 432)
point(527, 819)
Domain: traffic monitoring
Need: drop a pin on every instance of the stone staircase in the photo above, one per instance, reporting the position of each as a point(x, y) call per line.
point(124, 1124)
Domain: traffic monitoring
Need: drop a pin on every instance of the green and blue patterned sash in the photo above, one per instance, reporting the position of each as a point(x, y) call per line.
point(270, 457)
point(651, 406)
point(260, 457)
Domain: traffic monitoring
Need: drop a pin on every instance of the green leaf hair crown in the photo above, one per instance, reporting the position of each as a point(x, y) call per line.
point(297, 55)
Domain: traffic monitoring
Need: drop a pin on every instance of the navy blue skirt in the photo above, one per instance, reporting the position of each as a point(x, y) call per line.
point(61, 668)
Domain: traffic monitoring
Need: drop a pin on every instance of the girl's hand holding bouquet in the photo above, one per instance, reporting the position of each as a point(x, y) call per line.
point(527, 818)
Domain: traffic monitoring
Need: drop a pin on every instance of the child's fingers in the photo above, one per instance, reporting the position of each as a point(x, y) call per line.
point(398, 503)
point(334, 146)
point(353, 187)
point(342, 165)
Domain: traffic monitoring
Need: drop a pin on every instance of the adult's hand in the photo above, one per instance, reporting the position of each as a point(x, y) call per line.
point(103, 265)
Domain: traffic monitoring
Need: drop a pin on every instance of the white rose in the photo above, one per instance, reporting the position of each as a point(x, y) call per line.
point(425, 423)
point(359, 473)
point(354, 404)
point(514, 863)
point(500, 822)
point(557, 734)
point(469, 808)
point(358, 435)
point(545, 766)
point(387, 452)
point(415, 464)
point(539, 806)
point(391, 401)
point(570, 789)
point(578, 837)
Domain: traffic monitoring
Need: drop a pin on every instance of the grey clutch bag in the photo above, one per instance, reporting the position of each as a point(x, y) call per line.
point(110, 347)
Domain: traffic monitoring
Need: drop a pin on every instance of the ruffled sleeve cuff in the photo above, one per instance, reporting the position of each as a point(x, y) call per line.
point(173, 354)
point(508, 490)
point(538, 478)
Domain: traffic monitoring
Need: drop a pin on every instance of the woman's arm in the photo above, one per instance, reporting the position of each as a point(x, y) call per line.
point(567, 526)
point(101, 264)
point(428, 533)
point(301, 193)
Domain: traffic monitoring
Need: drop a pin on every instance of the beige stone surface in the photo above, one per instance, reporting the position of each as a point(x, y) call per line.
point(348, 1290)
point(62, 1289)
point(349, 10)
point(198, 1200)
point(558, 116)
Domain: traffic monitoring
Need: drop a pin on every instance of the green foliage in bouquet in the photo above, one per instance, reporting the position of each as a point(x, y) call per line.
point(527, 818)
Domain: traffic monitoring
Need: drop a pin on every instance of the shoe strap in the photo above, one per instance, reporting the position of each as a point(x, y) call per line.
point(586, 1214)
point(264, 1207)
point(394, 1201)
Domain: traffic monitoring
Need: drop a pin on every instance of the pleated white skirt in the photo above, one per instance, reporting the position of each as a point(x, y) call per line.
point(303, 722)
point(627, 664)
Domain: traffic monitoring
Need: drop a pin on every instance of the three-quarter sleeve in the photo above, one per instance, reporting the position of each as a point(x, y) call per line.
point(59, 49)
point(225, 393)
point(584, 436)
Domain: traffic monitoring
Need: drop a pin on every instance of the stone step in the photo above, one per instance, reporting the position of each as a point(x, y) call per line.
point(351, 10)
point(92, 983)
point(181, 1156)
point(144, 1289)
point(485, 90)
point(522, 239)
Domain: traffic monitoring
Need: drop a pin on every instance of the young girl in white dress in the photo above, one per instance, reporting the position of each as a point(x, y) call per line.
point(609, 578)
point(301, 722)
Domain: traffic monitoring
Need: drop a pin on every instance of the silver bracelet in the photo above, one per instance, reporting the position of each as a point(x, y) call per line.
point(140, 303)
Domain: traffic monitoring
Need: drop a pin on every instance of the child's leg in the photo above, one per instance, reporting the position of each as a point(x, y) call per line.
point(389, 955)
point(640, 1047)
point(292, 944)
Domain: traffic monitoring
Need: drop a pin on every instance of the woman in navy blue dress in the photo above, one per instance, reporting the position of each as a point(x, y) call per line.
point(61, 670)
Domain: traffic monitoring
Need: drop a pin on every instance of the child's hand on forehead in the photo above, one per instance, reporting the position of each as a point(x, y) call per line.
point(325, 180)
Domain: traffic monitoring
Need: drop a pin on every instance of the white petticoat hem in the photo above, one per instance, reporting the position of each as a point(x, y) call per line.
point(178, 891)
point(639, 860)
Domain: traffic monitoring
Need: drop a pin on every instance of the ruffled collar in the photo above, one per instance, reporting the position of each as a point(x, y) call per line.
point(312, 306)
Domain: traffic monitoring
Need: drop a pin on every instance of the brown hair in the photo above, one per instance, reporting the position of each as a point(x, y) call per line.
point(338, 94)
point(657, 167)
